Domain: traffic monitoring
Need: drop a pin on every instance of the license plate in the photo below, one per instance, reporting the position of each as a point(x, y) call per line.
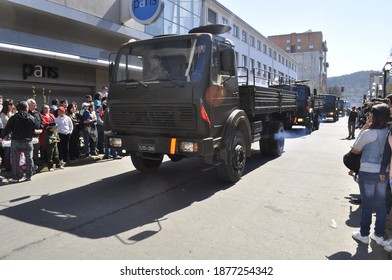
point(146, 148)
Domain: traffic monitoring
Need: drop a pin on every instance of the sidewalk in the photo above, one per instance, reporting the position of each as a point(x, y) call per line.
point(78, 162)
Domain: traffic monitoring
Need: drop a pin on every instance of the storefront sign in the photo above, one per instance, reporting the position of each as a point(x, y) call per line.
point(146, 11)
point(39, 71)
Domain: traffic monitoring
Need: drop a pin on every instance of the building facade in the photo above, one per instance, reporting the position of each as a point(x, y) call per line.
point(310, 51)
point(60, 49)
point(253, 50)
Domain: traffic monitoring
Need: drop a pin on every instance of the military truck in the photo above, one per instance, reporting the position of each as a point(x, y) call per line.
point(309, 105)
point(195, 107)
point(330, 108)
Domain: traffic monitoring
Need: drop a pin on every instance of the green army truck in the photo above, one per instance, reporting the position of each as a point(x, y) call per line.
point(195, 107)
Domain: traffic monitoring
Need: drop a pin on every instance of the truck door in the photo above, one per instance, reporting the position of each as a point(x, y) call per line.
point(222, 94)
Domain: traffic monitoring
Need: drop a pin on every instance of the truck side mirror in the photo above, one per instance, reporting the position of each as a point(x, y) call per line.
point(227, 62)
point(111, 65)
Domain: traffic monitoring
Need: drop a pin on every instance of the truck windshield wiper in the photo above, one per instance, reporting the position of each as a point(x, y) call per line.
point(171, 80)
point(135, 81)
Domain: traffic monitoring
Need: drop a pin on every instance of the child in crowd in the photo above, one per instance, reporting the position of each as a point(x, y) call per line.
point(52, 152)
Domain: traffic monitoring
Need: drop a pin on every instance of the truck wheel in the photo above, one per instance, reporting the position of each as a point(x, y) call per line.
point(274, 145)
point(309, 127)
point(316, 123)
point(235, 166)
point(146, 164)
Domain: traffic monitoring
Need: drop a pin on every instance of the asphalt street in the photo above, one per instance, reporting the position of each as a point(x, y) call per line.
point(295, 207)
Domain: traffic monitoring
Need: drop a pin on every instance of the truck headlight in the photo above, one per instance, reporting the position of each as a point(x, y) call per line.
point(189, 147)
point(115, 142)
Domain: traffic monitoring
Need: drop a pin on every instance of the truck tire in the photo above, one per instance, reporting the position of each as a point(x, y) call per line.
point(236, 158)
point(309, 127)
point(316, 122)
point(273, 146)
point(146, 164)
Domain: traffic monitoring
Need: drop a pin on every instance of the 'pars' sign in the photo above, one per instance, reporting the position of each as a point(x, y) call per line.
point(146, 11)
point(39, 71)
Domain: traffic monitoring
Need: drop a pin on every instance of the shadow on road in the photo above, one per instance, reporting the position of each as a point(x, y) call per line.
point(124, 202)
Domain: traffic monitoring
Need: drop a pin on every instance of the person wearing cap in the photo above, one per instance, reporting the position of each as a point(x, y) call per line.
point(51, 146)
point(21, 126)
point(65, 128)
point(157, 70)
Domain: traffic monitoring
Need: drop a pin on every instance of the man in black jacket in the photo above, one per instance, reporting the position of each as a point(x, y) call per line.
point(21, 126)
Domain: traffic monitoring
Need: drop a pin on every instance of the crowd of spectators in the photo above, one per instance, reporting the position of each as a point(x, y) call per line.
point(63, 132)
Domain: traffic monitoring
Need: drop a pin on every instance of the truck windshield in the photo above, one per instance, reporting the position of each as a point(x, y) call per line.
point(177, 61)
point(329, 99)
point(302, 94)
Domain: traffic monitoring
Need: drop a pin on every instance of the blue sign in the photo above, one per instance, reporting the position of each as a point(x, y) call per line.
point(146, 11)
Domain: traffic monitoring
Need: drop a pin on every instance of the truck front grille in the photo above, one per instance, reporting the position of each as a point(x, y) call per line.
point(158, 118)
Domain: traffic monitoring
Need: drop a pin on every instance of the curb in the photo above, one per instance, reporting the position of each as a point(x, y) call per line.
point(41, 169)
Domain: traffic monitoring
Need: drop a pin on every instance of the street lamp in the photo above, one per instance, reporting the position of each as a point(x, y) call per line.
point(386, 70)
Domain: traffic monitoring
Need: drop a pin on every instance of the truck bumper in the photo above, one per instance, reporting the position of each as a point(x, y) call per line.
point(163, 145)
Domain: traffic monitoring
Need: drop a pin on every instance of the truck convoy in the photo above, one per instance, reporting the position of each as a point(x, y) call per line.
point(309, 105)
point(193, 106)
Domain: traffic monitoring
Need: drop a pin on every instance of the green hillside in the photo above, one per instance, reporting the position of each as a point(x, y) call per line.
point(355, 86)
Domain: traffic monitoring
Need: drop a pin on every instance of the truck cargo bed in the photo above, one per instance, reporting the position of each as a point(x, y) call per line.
point(256, 100)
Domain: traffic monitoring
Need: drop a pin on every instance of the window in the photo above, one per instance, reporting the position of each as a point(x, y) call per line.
point(265, 71)
point(258, 72)
point(251, 64)
point(244, 60)
point(299, 40)
point(258, 45)
point(252, 41)
point(279, 58)
point(311, 46)
point(225, 21)
point(298, 47)
point(288, 48)
point(274, 55)
point(244, 36)
point(288, 41)
point(283, 60)
point(270, 52)
point(211, 16)
point(265, 48)
point(235, 31)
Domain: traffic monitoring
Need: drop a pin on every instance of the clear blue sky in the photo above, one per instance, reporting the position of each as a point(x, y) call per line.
point(358, 33)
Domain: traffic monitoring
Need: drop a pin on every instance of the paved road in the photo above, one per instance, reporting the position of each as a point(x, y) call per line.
point(294, 207)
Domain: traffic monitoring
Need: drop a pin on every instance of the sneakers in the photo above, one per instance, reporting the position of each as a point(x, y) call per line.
point(388, 248)
point(387, 242)
point(379, 240)
point(12, 181)
point(357, 236)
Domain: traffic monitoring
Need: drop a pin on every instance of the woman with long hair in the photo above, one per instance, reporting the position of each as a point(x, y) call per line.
point(370, 142)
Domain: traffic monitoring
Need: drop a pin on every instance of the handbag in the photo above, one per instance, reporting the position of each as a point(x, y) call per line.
point(352, 161)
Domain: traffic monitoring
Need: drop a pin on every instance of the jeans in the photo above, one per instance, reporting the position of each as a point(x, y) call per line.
point(373, 197)
point(18, 146)
point(351, 129)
